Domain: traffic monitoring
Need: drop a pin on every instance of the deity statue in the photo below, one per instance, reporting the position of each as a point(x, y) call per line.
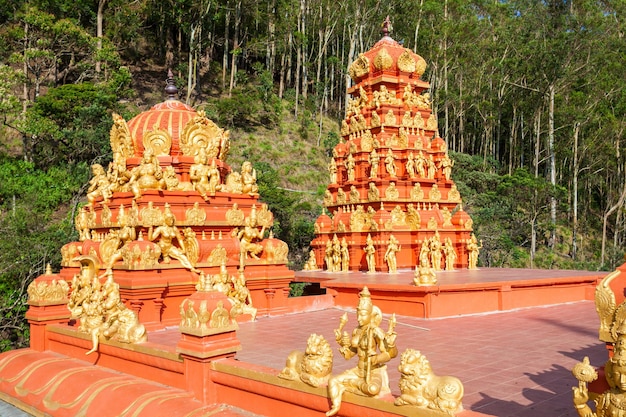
point(373, 347)
point(355, 197)
point(432, 168)
point(453, 194)
point(336, 255)
point(435, 252)
point(341, 196)
point(199, 174)
point(247, 236)
point(420, 165)
point(117, 173)
point(99, 185)
point(311, 263)
point(392, 193)
point(248, 179)
point(119, 239)
point(390, 163)
point(350, 164)
point(393, 247)
point(168, 233)
point(332, 169)
point(374, 160)
point(345, 256)
point(447, 217)
point(328, 198)
point(241, 297)
point(410, 165)
point(372, 193)
point(146, 176)
point(416, 192)
point(370, 254)
point(328, 256)
point(450, 253)
point(434, 194)
point(446, 165)
point(473, 249)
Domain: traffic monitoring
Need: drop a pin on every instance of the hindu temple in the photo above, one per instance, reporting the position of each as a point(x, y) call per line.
point(391, 199)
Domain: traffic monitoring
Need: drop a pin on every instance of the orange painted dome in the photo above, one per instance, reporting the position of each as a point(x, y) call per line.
point(389, 56)
point(170, 128)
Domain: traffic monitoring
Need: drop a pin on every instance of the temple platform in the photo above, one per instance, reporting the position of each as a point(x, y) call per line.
point(459, 292)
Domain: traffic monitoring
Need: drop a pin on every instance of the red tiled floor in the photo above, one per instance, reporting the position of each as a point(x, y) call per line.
point(512, 364)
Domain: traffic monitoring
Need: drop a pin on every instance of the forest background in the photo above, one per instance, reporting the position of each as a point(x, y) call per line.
point(530, 97)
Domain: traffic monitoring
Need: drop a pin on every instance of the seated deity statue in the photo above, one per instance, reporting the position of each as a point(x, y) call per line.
point(373, 347)
point(99, 185)
point(146, 176)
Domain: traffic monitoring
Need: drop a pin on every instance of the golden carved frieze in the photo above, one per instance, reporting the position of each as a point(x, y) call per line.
point(48, 291)
point(218, 256)
point(195, 216)
point(235, 216)
point(202, 133)
point(420, 66)
point(158, 141)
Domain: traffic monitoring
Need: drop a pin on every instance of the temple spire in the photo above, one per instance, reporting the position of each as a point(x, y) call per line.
point(386, 27)
point(170, 88)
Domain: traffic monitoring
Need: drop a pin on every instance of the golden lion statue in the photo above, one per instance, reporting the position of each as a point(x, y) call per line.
point(421, 387)
point(313, 366)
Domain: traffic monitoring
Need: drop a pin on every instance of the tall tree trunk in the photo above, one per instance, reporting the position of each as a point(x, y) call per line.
point(575, 193)
point(417, 25)
point(226, 47)
point(552, 156)
point(99, 31)
point(235, 51)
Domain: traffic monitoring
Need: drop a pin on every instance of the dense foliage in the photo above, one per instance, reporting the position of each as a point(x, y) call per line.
point(530, 97)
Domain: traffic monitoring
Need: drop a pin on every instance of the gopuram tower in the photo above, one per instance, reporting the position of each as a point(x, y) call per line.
point(169, 212)
point(391, 199)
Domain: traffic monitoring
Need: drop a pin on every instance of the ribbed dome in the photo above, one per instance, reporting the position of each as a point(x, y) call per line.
point(168, 118)
point(389, 56)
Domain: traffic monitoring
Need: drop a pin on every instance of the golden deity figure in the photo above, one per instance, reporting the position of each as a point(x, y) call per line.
point(84, 221)
point(167, 233)
point(341, 196)
point(374, 160)
point(247, 237)
point(241, 297)
point(393, 247)
point(116, 242)
point(419, 386)
point(434, 194)
point(350, 165)
point(407, 120)
point(390, 163)
point(332, 170)
point(410, 165)
point(199, 174)
point(328, 198)
point(447, 217)
point(373, 347)
point(336, 255)
point(248, 179)
point(328, 256)
point(370, 254)
point(146, 176)
point(99, 185)
point(450, 254)
point(345, 256)
point(446, 165)
point(375, 118)
point(453, 194)
point(431, 167)
point(195, 216)
point(311, 263)
point(420, 165)
point(416, 192)
point(392, 193)
point(355, 197)
point(117, 173)
point(435, 252)
point(372, 193)
point(473, 248)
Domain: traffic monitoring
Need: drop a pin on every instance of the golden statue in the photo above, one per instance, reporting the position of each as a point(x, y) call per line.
point(450, 254)
point(473, 248)
point(248, 179)
point(370, 254)
point(416, 192)
point(168, 233)
point(432, 168)
point(390, 163)
point(420, 165)
point(393, 247)
point(146, 176)
point(453, 194)
point(446, 165)
point(341, 196)
point(435, 252)
point(241, 297)
point(199, 174)
point(410, 165)
point(247, 236)
point(311, 263)
point(424, 275)
point(374, 160)
point(99, 307)
point(373, 347)
point(434, 194)
point(355, 197)
point(112, 248)
point(99, 185)
point(392, 193)
point(350, 165)
point(419, 386)
point(332, 169)
point(345, 256)
point(372, 193)
point(328, 198)
point(328, 256)
point(313, 366)
point(195, 216)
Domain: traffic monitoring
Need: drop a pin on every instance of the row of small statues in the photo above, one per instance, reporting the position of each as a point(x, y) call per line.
point(391, 193)
point(433, 253)
point(416, 166)
point(205, 178)
point(386, 96)
point(374, 348)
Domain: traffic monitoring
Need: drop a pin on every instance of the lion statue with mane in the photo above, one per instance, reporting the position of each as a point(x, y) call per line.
point(420, 386)
point(313, 366)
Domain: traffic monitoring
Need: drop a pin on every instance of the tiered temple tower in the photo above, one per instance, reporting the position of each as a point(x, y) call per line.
point(390, 174)
point(170, 210)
